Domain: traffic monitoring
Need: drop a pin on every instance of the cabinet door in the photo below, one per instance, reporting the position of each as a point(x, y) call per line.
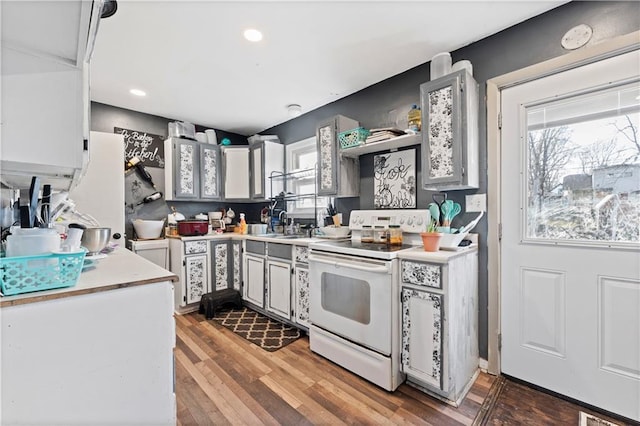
point(257, 171)
point(196, 277)
point(327, 158)
point(254, 280)
point(221, 274)
point(279, 288)
point(236, 264)
point(422, 328)
point(441, 131)
point(210, 174)
point(302, 295)
point(186, 172)
point(236, 173)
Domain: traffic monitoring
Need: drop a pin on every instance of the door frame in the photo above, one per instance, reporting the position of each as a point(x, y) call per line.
point(590, 54)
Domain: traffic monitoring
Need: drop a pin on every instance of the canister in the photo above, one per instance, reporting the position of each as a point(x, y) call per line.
point(395, 235)
point(367, 234)
point(379, 234)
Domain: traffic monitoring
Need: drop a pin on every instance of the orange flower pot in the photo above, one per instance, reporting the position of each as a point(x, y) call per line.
point(431, 240)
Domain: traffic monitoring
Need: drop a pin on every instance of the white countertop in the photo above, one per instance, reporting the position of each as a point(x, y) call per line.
point(440, 256)
point(268, 239)
point(120, 268)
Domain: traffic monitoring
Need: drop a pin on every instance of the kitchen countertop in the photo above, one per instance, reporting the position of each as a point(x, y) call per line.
point(440, 256)
point(121, 268)
point(302, 241)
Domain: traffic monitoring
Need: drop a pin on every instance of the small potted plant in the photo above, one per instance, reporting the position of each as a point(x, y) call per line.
point(431, 238)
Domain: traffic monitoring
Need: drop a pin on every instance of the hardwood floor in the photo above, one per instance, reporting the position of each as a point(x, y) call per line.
point(222, 378)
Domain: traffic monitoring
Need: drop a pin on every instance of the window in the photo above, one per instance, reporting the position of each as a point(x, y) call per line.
point(583, 165)
point(303, 156)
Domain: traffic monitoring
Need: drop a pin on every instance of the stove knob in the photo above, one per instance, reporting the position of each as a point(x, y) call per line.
point(361, 220)
point(419, 222)
point(401, 220)
point(410, 221)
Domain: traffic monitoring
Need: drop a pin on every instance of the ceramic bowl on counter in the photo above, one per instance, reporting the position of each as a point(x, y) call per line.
point(148, 229)
point(335, 231)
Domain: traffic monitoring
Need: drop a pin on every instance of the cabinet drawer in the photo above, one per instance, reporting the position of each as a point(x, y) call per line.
point(424, 274)
point(195, 247)
point(281, 251)
point(255, 247)
point(302, 254)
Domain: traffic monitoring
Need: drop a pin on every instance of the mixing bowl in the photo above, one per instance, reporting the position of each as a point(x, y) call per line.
point(95, 239)
point(335, 231)
point(148, 229)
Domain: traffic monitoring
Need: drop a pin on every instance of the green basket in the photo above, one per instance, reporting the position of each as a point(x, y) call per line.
point(24, 274)
point(353, 138)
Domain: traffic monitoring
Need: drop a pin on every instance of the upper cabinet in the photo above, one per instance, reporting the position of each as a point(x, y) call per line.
point(450, 132)
point(192, 170)
point(46, 47)
point(236, 173)
point(337, 176)
point(266, 157)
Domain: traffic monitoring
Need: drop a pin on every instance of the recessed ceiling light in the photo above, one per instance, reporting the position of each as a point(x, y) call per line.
point(138, 92)
point(294, 110)
point(253, 35)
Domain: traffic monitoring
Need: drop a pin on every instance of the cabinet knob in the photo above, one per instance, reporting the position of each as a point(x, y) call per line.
point(117, 236)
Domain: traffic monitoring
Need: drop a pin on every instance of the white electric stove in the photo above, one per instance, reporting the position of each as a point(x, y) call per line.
point(354, 296)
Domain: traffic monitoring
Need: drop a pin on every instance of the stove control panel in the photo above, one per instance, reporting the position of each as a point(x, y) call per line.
point(410, 221)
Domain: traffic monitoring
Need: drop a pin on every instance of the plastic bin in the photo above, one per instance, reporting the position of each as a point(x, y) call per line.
point(24, 274)
point(353, 138)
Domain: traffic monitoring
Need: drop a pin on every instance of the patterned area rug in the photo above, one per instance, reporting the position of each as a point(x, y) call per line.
point(270, 335)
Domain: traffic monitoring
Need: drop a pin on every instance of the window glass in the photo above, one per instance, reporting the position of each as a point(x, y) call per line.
point(583, 167)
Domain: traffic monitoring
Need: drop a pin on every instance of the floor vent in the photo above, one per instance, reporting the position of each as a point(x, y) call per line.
point(591, 420)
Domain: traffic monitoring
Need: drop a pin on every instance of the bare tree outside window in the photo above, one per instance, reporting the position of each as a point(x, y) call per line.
point(583, 175)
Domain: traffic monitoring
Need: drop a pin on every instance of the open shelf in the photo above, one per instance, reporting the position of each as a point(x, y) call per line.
point(385, 145)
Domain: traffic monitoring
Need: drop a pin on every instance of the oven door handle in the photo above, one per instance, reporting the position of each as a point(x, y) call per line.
point(342, 263)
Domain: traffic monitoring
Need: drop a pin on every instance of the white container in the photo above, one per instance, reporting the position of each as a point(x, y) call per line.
point(32, 242)
point(451, 241)
point(440, 65)
point(211, 136)
point(463, 65)
point(148, 229)
point(201, 137)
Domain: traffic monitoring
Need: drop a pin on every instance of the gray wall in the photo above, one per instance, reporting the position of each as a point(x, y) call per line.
point(387, 103)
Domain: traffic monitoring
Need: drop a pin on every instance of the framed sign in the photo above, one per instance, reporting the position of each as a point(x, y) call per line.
point(149, 148)
point(394, 180)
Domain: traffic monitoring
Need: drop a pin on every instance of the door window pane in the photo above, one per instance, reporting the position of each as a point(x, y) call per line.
point(583, 167)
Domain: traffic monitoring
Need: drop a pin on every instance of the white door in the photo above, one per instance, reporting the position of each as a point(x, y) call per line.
point(570, 259)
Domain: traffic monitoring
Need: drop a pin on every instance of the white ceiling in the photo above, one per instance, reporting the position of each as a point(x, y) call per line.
point(193, 62)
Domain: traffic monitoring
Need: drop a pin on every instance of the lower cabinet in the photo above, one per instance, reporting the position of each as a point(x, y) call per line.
point(254, 282)
point(278, 295)
point(301, 285)
point(189, 260)
point(440, 325)
point(225, 265)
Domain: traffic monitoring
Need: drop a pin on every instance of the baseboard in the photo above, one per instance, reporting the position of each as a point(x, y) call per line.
point(484, 365)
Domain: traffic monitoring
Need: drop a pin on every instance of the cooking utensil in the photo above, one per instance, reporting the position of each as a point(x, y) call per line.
point(471, 224)
point(34, 191)
point(442, 196)
point(45, 210)
point(434, 210)
point(25, 213)
point(449, 211)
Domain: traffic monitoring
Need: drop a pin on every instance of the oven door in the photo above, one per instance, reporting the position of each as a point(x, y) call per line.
point(351, 296)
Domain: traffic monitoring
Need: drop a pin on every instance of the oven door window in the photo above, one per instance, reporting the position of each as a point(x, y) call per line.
point(347, 297)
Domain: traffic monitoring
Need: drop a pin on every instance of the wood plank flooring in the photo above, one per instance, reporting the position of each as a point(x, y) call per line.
point(222, 379)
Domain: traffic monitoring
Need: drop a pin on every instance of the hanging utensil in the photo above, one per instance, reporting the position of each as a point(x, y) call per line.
point(45, 210)
point(455, 211)
point(442, 196)
point(434, 210)
point(34, 192)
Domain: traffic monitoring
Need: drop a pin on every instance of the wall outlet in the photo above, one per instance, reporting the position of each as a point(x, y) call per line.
point(476, 203)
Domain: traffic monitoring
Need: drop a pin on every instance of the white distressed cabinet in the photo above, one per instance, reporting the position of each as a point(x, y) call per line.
point(301, 285)
point(236, 172)
point(225, 265)
point(266, 157)
point(192, 170)
point(450, 132)
point(279, 288)
point(337, 175)
point(190, 262)
point(254, 280)
point(440, 324)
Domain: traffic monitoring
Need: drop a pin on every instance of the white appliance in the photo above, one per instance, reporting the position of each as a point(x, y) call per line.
point(354, 297)
point(100, 192)
point(156, 251)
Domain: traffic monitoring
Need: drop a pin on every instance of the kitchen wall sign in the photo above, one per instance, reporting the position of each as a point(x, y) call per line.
point(149, 148)
point(394, 180)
